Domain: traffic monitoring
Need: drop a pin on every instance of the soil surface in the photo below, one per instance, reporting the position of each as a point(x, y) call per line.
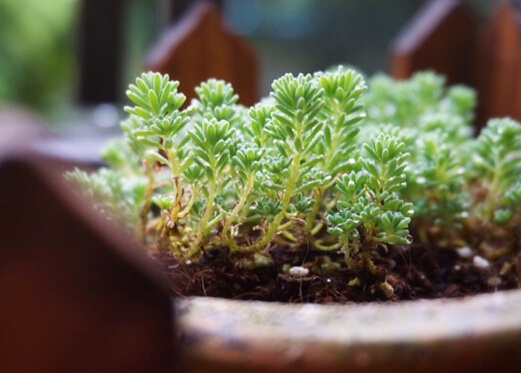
point(414, 273)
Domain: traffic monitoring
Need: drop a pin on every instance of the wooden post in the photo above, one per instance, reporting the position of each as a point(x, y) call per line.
point(75, 296)
point(200, 47)
point(502, 63)
point(442, 36)
point(100, 50)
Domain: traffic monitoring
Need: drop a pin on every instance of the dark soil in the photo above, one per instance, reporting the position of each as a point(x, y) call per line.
point(414, 273)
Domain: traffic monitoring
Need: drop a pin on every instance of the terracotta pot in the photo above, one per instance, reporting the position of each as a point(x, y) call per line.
point(475, 334)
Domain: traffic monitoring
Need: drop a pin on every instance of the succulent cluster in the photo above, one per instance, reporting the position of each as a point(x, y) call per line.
point(326, 162)
point(463, 187)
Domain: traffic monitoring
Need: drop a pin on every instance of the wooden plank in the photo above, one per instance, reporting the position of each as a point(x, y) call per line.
point(502, 62)
point(442, 36)
point(75, 296)
point(200, 47)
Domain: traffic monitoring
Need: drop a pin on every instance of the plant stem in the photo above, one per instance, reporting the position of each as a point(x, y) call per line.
point(286, 225)
point(310, 219)
point(368, 263)
point(232, 218)
point(335, 135)
point(345, 246)
point(203, 223)
point(317, 229)
point(214, 220)
point(367, 246)
point(319, 245)
point(286, 198)
point(174, 167)
point(174, 216)
point(493, 192)
point(319, 192)
point(289, 236)
point(143, 214)
point(188, 207)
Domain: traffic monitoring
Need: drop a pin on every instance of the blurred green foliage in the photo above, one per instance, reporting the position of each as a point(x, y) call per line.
point(36, 54)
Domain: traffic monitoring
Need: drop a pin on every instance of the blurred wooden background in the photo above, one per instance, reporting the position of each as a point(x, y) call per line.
point(446, 36)
point(196, 44)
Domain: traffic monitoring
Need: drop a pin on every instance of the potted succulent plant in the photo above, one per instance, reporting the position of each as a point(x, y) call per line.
point(332, 189)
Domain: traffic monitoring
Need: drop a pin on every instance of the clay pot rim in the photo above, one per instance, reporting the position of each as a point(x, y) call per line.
point(231, 334)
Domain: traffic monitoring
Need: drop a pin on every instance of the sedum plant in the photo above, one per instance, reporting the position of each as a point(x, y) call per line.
point(496, 166)
point(327, 163)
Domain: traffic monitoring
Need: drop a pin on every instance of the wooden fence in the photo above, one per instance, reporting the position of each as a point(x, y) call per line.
point(446, 36)
point(200, 46)
point(100, 47)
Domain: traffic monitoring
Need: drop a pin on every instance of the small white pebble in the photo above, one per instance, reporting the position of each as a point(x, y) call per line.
point(457, 267)
point(298, 271)
point(188, 262)
point(464, 252)
point(480, 262)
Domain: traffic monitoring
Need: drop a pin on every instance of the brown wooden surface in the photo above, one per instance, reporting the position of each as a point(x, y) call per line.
point(75, 296)
point(502, 64)
point(442, 36)
point(200, 47)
